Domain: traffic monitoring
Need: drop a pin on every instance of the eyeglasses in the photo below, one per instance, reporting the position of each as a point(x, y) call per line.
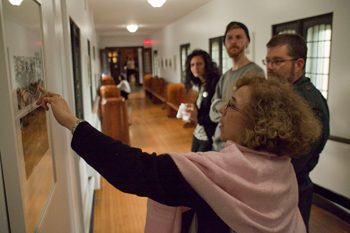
point(276, 62)
point(230, 105)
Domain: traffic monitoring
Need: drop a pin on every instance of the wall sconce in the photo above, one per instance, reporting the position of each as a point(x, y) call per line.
point(132, 28)
point(156, 3)
point(16, 2)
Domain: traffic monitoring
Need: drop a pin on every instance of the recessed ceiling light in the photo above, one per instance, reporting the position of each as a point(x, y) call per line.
point(16, 2)
point(132, 28)
point(156, 3)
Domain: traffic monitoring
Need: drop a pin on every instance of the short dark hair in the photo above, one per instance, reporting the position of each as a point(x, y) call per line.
point(210, 69)
point(296, 44)
point(235, 24)
point(122, 76)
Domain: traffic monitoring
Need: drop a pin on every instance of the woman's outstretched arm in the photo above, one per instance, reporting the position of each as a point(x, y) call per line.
point(128, 169)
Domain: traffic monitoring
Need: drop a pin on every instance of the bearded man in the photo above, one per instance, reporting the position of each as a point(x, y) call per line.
point(237, 40)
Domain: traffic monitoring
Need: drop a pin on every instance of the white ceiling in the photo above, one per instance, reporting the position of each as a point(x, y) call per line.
point(112, 16)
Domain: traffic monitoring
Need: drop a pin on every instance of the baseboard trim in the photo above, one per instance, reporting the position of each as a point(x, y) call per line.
point(92, 214)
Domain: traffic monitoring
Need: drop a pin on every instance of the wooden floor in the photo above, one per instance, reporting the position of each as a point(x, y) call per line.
point(153, 131)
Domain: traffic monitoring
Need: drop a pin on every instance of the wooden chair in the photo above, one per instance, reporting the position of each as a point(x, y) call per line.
point(147, 84)
point(114, 112)
point(107, 80)
point(107, 91)
point(176, 95)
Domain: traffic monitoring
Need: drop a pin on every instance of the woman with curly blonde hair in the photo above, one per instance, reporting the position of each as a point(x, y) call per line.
point(249, 186)
point(279, 122)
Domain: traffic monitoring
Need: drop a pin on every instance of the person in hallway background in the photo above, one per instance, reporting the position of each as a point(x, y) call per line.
point(285, 59)
point(124, 86)
point(250, 186)
point(237, 39)
point(203, 73)
point(130, 68)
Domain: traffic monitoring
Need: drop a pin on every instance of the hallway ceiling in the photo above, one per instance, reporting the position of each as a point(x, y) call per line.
point(112, 16)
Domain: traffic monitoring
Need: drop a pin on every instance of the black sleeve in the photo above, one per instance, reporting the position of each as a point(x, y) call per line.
point(304, 164)
point(203, 116)
point(133, 171)
point(203, 113)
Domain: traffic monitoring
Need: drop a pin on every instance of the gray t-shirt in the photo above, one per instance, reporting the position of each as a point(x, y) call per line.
point(225, 82)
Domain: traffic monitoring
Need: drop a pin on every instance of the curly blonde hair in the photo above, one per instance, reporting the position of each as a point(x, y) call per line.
point(280, 121)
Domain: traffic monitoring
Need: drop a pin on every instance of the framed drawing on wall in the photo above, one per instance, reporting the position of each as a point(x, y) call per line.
point(24, 44)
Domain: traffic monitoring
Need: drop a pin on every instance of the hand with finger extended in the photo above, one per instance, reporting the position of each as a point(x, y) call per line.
point(59, 108)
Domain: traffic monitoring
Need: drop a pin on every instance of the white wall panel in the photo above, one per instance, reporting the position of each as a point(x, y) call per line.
point(121, 41)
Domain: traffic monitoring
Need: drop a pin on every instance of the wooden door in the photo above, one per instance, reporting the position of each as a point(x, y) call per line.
point(147, 61)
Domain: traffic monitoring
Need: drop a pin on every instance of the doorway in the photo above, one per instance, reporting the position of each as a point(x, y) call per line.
point(78, 87)
point(117, 63)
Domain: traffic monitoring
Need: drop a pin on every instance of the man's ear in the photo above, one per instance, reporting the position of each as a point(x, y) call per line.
point(299, 65)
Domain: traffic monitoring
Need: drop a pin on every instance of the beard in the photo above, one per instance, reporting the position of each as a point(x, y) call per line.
point(236, 53)
point(288, 78)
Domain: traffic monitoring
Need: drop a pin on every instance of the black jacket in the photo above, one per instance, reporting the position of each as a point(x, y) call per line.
point(304, 165)
point(203, 112)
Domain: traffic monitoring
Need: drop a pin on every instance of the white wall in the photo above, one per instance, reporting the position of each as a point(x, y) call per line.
point(83, 18)
point(3, 214)
point(60, 211)
point(68, 205)
point(71, 214)
point(79, 13)
point(259, 15)
point(121, 41)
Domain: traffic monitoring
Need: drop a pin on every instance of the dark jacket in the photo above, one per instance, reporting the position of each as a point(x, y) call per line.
point(203, 112)
point(303, 165)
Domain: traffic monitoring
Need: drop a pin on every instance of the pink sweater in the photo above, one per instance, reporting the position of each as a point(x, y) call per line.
point(250, 191)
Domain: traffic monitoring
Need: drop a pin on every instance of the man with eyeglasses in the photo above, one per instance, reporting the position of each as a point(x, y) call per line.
point(285, 59)
point(236, 41)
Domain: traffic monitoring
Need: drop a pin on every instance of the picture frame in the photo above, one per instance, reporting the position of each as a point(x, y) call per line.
point(33, 138)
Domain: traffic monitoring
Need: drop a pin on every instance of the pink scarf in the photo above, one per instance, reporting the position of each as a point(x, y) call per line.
point(250, 191)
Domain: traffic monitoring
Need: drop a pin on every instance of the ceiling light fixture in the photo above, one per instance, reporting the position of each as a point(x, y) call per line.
point(16, 2)
point(156, 3)
point(132, 28)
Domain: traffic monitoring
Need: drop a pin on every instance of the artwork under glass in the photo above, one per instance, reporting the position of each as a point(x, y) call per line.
point(23, 34)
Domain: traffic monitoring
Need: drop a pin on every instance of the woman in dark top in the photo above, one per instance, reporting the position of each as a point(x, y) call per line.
point(203, 73)
point(249, 186)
